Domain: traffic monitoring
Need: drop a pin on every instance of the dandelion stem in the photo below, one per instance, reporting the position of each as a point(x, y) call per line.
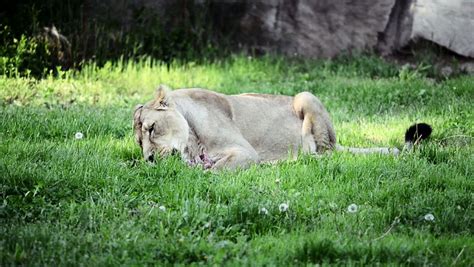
point(459, 255)
point(395, 222)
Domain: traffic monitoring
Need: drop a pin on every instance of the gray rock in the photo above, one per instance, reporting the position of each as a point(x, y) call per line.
point(446, 71)
point(309, 28)
point(449, 23)
point(467, 67)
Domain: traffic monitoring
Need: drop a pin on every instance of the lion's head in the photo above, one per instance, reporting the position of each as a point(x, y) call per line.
point(159, 128)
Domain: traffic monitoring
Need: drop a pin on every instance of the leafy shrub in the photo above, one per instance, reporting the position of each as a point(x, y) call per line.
point(23, 56)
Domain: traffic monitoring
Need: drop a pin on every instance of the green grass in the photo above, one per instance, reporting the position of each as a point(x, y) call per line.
point(94, 202)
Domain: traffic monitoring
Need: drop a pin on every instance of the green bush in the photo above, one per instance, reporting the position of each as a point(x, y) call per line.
point(23, 56)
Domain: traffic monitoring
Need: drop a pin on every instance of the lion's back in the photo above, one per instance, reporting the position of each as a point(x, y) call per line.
point(268, 122)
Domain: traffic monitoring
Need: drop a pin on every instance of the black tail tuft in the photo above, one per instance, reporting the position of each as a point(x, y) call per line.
point(417, 132)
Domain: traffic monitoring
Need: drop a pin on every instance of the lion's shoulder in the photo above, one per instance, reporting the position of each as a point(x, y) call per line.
point(208, 99)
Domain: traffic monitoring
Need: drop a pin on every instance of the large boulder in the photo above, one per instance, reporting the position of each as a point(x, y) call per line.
point(311, 28)
point(449, 23)
point(325, 28)
point(322, 28)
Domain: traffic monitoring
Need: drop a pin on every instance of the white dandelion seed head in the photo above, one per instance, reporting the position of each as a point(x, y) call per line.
point(429, 217)
point(263, 211)
point(352, 208)
point(283, 207)
point(79, 135)
point(162, 208)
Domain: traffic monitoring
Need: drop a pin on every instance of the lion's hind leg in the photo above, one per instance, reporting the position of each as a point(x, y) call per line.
point(308, 142)
point(317, 130)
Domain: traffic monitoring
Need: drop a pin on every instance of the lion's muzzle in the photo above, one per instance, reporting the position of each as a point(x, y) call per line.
point(163, 153)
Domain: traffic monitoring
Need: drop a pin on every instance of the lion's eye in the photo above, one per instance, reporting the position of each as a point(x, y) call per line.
point(151, 129)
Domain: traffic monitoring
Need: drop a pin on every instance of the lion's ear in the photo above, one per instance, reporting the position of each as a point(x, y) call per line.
point(162, 100)
point(136, 115)
point(137, 107)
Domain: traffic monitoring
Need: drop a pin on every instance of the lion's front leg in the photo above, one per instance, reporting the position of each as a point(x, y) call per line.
point(236, 157)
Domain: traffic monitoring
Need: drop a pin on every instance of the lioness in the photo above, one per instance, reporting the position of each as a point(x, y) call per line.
point(234, 131)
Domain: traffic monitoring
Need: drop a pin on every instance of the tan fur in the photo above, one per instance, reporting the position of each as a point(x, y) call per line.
point(234, 130)
point(316, 121)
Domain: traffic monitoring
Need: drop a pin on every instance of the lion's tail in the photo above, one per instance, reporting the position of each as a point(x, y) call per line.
point(413, 136)
point(370, 150)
